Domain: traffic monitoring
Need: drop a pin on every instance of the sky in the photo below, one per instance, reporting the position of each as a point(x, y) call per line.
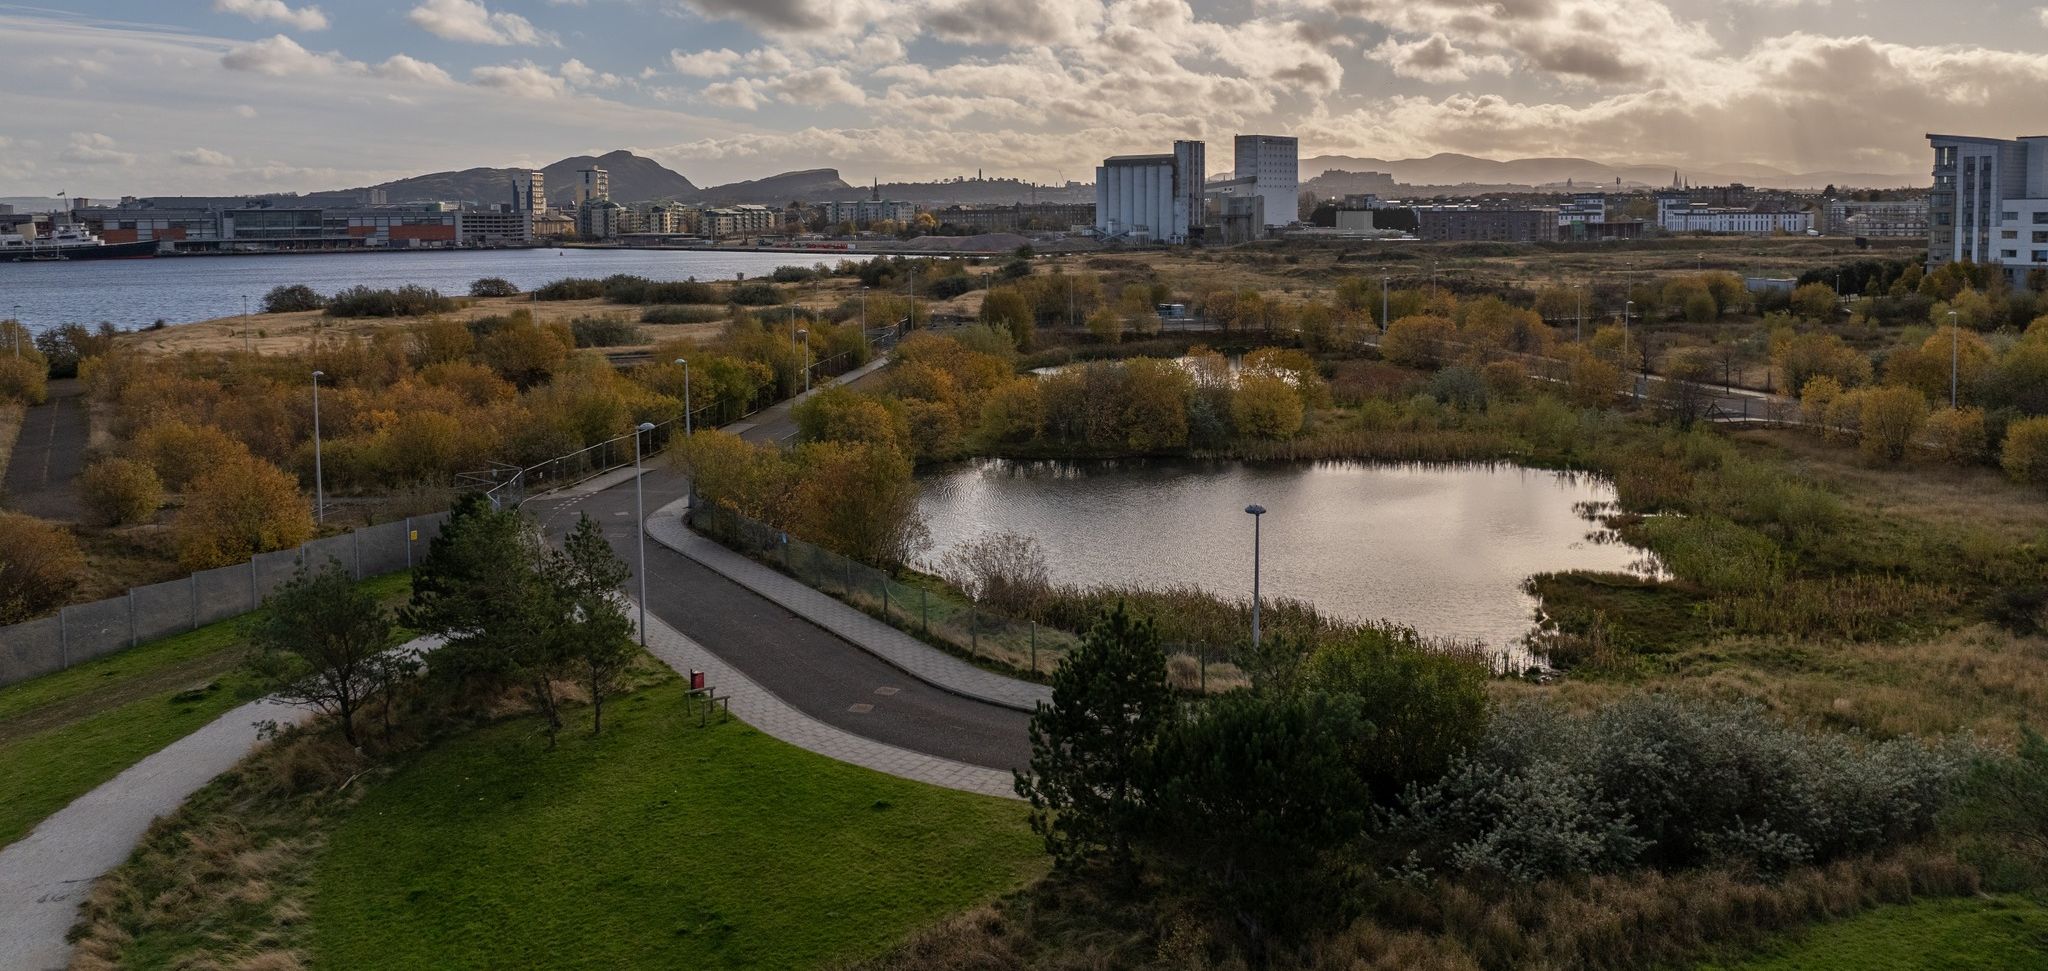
point(149, 97)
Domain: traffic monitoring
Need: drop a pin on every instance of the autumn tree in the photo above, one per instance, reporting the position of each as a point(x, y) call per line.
point(1013, 412)
point(859, 500)
point(1106, 325)
point(238, 509)
point(840, 414)
point(1006, 308)
point(2025, 453)
point(39, 565)
point(1957, 435)
point(1801, 357)
point(119, 491)
point(1267, 406)
point(1891, 420)
point(1815, 302)
point(1418, 341)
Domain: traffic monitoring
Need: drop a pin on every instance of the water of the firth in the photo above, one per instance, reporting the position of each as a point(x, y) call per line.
point(134, 293)
point(1443, 549)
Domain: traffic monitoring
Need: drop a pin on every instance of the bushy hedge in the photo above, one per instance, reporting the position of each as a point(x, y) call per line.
point(406, 301)
point(681, 315)
point(570, 288)
point(120, 491)
point(625, 288)
point(604, 332)
point(1655, 782)
point(757, 295)
point(292, 298)
point(493, 286)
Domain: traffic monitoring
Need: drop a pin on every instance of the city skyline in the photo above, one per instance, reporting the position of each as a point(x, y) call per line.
point(278, 95)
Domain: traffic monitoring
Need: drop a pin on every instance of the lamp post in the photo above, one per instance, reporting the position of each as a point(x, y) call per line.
point(1579, 328)
point(805, 333)
point(1257, 512)
point(640, 518)
point(319, 476)
point(1628, 307)
point(1955, 357)
point(687, 428)
point(248, 340)
point(18, 328)
point(1383, 305)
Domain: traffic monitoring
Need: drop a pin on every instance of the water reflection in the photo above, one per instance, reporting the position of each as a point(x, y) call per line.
point(1441, 548)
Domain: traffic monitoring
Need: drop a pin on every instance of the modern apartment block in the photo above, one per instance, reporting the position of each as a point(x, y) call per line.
point(1275, 161)
point(1151, 198)
point(592, 184)
point(1457, 223)
point(530, 191)
point(1677, 212)
point(1990, 202)
point(863, 213)
point(1887, 218)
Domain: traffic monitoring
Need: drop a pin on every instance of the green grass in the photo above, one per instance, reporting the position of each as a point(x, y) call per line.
point(1981, 934)
point(657, 845)
point(65, 733)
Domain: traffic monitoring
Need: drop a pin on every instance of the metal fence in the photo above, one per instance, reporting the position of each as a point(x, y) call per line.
point(82, 632)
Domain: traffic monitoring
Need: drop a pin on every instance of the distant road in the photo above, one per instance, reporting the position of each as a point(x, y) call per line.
point(42, 476)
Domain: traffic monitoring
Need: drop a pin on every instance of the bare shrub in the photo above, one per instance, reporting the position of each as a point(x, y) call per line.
point(1005, 572)
point(39, 564)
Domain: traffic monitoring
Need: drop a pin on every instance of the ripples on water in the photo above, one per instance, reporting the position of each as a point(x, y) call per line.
point(1444, 549)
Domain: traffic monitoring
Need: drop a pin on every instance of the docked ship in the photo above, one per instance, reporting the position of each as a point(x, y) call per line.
point(69, 242)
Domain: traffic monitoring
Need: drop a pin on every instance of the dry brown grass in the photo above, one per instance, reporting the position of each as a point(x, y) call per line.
point(221, 884)
point(11, 416)
point(1634, 921)
point(1973, 499)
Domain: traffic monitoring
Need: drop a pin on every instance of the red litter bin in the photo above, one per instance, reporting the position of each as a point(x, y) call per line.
point(696, 680)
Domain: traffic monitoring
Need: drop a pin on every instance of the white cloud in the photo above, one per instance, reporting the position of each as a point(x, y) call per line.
point(93, 148)
point(1012, 24)
point(471, 22)
point(1435, 60)
point(404, 67)
point(205, 157)
point(582, 75)
point(819, 87)
point(281, 56)
point(523, 80)
point(704, 64)
point(246, 111)
point(799, 17)
point(739, 93)
point(307, 17)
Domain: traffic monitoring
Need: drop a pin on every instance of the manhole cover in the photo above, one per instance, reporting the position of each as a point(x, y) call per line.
point(861, 709)
point(887, 691)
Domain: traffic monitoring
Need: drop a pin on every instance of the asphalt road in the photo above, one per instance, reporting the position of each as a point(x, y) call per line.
point(42, 475)
point(814, 671)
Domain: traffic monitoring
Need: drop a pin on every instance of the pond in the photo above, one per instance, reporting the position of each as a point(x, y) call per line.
point(1443, 549)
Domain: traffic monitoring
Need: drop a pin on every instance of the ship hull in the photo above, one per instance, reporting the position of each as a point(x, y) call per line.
point(65, 254)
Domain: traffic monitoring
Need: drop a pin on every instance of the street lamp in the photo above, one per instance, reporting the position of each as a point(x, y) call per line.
point(1955, 356)
point(640, 517)
point(805, 333)
point(687, 429)
point(1383, 304)
point(1257, 511)
point(319, 477)
point(1579, 329)
point(1627, 307)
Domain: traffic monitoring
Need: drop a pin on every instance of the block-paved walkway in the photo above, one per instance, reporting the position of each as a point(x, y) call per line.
point(894, 647)
point(45, 875)
point(762, 709)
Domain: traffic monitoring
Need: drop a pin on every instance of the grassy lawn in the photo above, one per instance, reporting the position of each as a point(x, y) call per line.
point(1994, 934)
point(64, 733)
point(658, 845)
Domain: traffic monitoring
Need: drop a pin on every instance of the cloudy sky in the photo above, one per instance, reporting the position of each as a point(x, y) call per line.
point(107, 97)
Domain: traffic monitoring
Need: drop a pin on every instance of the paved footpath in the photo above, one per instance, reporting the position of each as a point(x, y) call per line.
point(45, 875)
point(898, 649)
point(49, 455)
point(762, 709)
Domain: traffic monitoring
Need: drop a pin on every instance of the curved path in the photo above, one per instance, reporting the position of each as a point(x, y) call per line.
point(49, 455)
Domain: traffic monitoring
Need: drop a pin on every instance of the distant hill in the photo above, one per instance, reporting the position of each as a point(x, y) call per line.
point(809, 185)
point(633, 179)
point(1452, 169)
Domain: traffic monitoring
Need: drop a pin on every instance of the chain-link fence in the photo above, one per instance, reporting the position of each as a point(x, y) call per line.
point(938, 613)
point(82, 632)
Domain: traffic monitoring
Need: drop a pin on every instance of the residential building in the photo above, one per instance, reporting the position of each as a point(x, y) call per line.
point(1990, 202)
point(1151, 198)
point(1275, 161)
point(863, 213)
point(1677, 213)
point(1469, 223)
point(552, 223)
point(530, 191)
point(734, 222)
point(1879, 218)
point(592, 184)
point(598, 218)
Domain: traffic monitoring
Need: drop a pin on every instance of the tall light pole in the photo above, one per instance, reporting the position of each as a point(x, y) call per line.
point(248, 340)
point(1627, 307)
point(1579, 329)
point(1257, 512)
point(687, 428)
point(1383, 305)
point(1955, 357)
point(319, 475)
point(805, 333)
point(640, 518)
